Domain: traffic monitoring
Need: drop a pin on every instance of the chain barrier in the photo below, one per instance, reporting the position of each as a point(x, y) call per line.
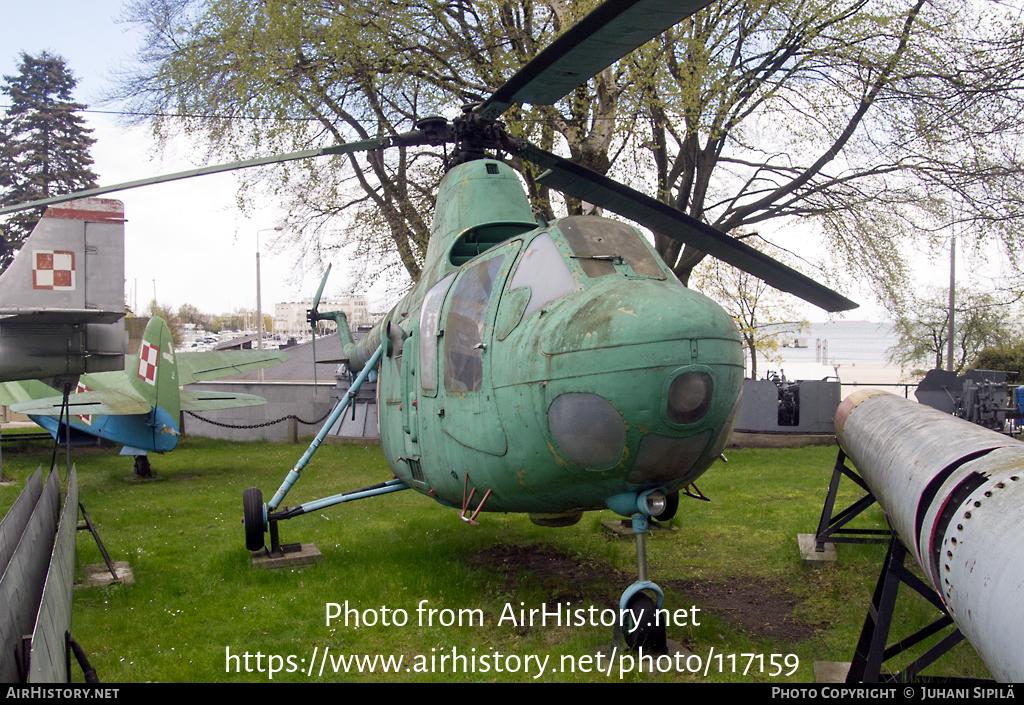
point(261, 425)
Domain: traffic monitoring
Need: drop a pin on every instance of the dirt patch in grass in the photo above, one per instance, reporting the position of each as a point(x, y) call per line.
point(756, 605)
point(562, 577)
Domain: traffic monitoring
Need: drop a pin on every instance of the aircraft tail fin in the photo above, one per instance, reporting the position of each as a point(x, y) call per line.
point(69, 273)
point(72, 261)
point(154, 372)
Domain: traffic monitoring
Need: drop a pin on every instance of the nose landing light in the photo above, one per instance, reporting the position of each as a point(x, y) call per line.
point(653, 502)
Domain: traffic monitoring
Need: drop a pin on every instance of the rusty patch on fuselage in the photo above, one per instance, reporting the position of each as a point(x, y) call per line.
point(558, 460)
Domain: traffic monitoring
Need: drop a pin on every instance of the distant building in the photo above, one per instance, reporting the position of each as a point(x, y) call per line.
point(290, 317)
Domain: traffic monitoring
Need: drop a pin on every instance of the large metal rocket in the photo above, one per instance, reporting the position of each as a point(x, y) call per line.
point(954, 492)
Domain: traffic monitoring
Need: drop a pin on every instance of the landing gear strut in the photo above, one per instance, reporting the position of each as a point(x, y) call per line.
point(639, 626)
point(142, 466)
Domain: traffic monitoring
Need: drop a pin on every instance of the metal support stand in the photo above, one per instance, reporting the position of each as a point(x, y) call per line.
point(278, 549)
point(871, 650)
point(103, 550)
point(830, 527)
point(65, 418)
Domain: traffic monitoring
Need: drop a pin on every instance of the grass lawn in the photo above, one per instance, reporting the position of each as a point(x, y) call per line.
point(731, 564)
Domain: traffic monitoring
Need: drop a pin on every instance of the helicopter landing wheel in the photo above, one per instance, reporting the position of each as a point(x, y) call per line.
point(650, 633)
point(142, 468)
point(252, 517)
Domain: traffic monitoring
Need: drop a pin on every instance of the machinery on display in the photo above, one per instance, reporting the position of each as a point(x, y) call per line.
point(780, 405)
point(954, 494)
point(545, 367)
point(979, 396)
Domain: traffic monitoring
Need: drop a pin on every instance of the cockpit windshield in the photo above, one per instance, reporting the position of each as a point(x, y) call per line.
point(600, 243)
point(543, 270)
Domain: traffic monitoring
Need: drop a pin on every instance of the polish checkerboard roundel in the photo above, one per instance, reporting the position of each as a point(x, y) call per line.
point(87, 419)
point(149, 355)
point(53, 270)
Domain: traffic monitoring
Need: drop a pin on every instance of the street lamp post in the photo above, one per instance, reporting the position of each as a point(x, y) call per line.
point(259, 301)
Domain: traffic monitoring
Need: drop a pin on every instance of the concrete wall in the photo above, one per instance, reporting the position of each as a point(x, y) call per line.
point(303, 399)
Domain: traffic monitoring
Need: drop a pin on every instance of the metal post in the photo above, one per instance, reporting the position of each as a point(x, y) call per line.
point(952, 300)
point(259, 300)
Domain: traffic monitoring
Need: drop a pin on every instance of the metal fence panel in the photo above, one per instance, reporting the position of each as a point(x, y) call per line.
point(48, 662)
point(22, 584)
point(13, 525)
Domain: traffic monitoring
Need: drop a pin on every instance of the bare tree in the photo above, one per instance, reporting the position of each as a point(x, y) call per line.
point(851, 114)
point(763, 315)
point(982, 321)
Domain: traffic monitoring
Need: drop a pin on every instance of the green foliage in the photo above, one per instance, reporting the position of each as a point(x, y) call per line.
point(44, 143)
point(187, 313)
point(763, 110)
point(240, 319)
point(1008, 357)
point(981, 321)
point(747, 112)
point(172, 321)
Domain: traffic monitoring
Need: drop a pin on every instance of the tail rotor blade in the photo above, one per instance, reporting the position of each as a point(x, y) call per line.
point(320, 291)
point(314, 315)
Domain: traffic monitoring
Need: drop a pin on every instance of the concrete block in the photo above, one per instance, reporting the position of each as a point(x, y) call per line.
point(98, 575)
point(831, 671)
point(307, 555)
point(811, 557)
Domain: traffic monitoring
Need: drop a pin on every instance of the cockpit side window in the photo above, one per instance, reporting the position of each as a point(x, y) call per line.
point(430, 316)
point(543, 270)
point(464, 328)
point(599, 243)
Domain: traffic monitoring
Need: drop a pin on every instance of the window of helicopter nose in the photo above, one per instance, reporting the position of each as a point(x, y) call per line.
point(689, 397)
point(543, 270)
point(588, 429)
point(429, 317)
point(464, 330)
point(598, 243)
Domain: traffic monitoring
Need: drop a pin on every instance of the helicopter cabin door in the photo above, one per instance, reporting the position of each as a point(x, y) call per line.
point(470, 412)
point(410, 403)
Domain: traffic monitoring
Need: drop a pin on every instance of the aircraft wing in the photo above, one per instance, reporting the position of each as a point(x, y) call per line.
point(114, 402)
point(203, 366)
point(208, 401)
point(12, 393)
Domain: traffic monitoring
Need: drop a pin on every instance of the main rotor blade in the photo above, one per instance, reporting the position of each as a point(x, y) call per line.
point(610, 32)
point(588, 186)
point(347, 148)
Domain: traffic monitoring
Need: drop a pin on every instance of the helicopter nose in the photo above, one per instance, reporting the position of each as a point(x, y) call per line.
point(631, 312)
point(646, 378)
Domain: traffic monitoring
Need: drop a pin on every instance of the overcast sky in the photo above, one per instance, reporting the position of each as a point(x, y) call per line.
point(187, 239)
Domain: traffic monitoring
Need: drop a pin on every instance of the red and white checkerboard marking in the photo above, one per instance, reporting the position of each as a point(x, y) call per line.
point(53, 270)
point(149, 356)
point(87, 419)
